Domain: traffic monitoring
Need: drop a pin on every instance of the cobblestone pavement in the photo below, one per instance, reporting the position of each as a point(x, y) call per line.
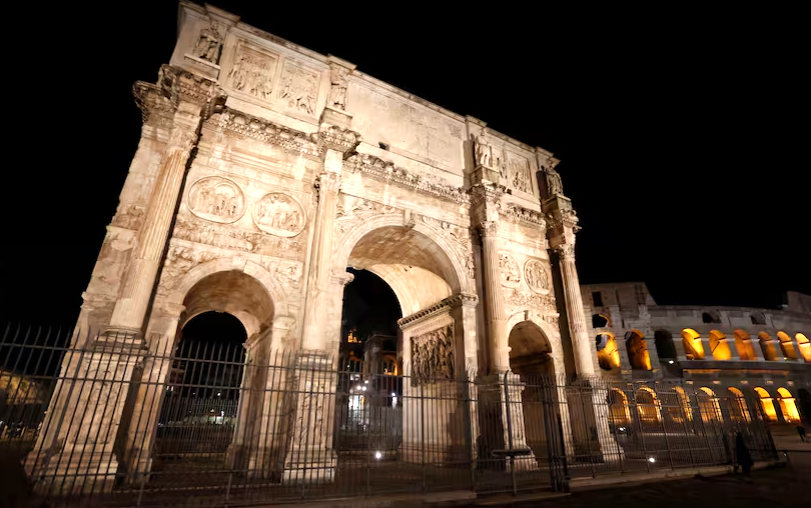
point(785, 486)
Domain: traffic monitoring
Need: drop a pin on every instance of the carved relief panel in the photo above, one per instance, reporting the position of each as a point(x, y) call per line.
point(519, 174)
point(537, 277)
point(216, 199)
point(279, 214)
point(510, 272)
point(253, 71)
point(432, 357)
point(298, 88)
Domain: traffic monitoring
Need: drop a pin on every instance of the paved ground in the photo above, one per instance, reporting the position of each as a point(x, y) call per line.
point(789, 486)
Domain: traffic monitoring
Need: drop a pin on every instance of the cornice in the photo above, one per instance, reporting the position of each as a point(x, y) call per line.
point(445, 305)
point(385, 171)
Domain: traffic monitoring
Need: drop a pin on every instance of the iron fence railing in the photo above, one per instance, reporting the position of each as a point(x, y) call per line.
point(111, 420)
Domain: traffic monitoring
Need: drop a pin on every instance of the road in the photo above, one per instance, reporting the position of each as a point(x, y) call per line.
point(785, 486)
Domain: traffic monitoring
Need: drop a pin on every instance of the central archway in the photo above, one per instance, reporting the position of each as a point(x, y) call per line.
point(434, 347)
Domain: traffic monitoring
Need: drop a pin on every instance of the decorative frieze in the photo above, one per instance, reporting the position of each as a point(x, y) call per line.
point(386, 171)
point(524, 300)
point(290, 141)
point(444, 305)
point(432, 357)
point(230, 237)
point(521, 215)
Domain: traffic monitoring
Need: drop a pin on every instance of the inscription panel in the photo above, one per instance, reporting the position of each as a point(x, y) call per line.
point(406, 126)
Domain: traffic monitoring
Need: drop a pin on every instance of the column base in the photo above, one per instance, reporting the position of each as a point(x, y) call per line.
point(317, 470)
point(69, 473)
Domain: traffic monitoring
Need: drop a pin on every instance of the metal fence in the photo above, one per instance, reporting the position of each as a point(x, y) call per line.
point(109, 421)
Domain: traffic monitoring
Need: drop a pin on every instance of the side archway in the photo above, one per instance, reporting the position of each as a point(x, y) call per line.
point(236, 264)
point(738, 410)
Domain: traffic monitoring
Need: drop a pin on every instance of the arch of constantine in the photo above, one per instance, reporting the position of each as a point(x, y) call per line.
point(265, 171)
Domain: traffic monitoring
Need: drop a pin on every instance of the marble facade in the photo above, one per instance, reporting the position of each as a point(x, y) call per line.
point(264, 170)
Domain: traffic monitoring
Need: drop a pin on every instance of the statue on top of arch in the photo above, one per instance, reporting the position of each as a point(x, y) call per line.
point(208, 44)
point(554, 186)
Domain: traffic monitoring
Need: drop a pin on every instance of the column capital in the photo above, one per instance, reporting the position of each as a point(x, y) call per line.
point(341, 279)
point(566, 250)
point(563, 218)
point(489, 229)
point(340, 139)
point(327, 182)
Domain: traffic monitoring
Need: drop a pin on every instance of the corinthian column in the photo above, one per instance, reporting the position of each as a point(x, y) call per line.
point(494, 299)
point(130, 308)
point(328, 184)
point(574, 310)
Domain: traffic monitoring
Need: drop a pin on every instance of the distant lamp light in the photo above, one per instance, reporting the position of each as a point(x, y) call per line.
point(378, 455)
point(651, 460)
point(671, 362)
point(366, 382)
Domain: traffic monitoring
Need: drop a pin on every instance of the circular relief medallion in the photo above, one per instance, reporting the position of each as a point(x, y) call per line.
point(510, 272)
point(537, 277)
point(278, 214)
point(216, 199)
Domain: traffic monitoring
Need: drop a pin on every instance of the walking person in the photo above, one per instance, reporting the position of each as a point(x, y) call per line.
point(801, 432)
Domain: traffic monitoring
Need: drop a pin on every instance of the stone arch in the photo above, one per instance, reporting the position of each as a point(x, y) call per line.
point(637, 350)
point(647, 404)
point(619, 414)
point(767, 346)
point(277, 295)
point(608, 355)
point(710, 316)
point(766, 403)
point(804, 346)
point(530, 347)
point(787, 346)
point(693, 347)
point(743, 343)
point(550, 333)
point(708, 405)
point(718, 346)
point(738, 409)
point(684, 403)
point(665, 349)
point(449, 257)
point(788, 405)
point(600, 321)
point(234, 292)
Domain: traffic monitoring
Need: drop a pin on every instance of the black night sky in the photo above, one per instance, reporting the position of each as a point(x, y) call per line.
point(680, 132)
